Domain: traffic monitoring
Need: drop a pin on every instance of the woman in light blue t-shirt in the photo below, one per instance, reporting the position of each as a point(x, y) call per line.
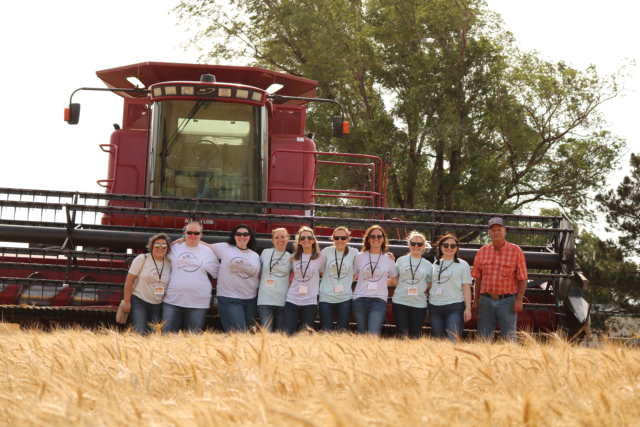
point(335, 287)
point(450, 291)
point(274, 281)
point(409, 303)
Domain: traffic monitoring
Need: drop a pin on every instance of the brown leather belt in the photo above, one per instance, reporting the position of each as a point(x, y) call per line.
point(497, 297)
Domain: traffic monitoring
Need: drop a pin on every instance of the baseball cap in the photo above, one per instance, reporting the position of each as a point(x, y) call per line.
point(496, 220)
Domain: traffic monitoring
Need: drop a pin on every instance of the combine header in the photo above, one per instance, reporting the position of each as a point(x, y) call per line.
point(225, 150)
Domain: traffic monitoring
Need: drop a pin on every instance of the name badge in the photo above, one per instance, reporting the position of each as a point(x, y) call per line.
point(158, 290)
point(338, 289)
point(413, 291)
point(270, 282)
point(372, 286)
point(438, 291)
point(302, 290)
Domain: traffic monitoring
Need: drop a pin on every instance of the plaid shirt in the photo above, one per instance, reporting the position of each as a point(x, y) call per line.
point(501, 270)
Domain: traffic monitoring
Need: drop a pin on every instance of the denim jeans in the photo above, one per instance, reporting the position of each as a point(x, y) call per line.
point(306, 313)
point(143, 313)
point(340, 311)
point(501, 311)
point(370, 314)
point(271, 317)
point(448, 318)
point(409, 320)
point(237, 314)
point(182, 318)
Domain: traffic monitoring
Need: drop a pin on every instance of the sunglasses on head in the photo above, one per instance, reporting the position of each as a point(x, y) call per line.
point(339, 237)
point(376, 236)
point(449, 245)
point(242, 234)
point(160, 245)
point(418, 244)
point(303, 238)
point(193, 233)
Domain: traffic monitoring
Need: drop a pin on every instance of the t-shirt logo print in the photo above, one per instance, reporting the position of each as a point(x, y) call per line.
point(405, 275)
point(280, 269)
point(242, 268)
point(189, 262)
point(366, 274)
point(333, 270)
point(299, 269)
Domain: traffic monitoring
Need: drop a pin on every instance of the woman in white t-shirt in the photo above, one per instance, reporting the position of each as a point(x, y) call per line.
point(145, 284)
point(302, 297)
point(409, 298)
point(238, 280)
point(335, 288)
point(374, 269)
point(188, 296)
point(274, 281)
point(450, 291)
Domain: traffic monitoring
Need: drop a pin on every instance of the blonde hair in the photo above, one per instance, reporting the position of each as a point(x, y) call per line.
point(415, 233)
point(297, 254)
point(284, 230)
point(346, 230)
point(190, 223)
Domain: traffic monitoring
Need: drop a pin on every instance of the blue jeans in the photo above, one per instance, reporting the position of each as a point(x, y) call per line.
point(370, 314)
point(340, 311)
point(143, 313)
point(448, 318)
point(500, 311)
point(271, 317)
point(182, 318)
point(237, 314)
point(409, 320)
point(306, 313)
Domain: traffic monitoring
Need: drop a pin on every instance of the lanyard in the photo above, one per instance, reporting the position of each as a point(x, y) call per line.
point(341, 262)
point(441, 269)
point(154, 261)
point(373, 269)
point(305, 270)
point(413, 273)
point(277, 261)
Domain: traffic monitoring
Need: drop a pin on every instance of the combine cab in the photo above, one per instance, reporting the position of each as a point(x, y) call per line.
point(213, 143)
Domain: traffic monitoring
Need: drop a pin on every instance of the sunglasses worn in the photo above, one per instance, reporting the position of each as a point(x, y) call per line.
point(376, 236)
point(160, 245)
point(418, 244)
point(449, 245)
point(193, 233)
point(245, 234)
point(303, 238)
point(339, 237)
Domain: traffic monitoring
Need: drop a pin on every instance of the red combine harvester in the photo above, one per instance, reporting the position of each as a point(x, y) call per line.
point(212, 143)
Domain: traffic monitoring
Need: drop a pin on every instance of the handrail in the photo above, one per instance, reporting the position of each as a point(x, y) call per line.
point(371, 194)
point(115, 165)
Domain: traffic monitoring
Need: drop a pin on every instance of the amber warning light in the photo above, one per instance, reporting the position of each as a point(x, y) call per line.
point(72, 114)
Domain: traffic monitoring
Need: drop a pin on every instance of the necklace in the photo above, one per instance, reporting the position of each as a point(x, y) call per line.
point(341, 262)
point(154, 262)
point(277, 261)
point(413, 273)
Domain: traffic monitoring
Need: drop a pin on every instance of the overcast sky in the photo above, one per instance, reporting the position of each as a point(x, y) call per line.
point(52, 48)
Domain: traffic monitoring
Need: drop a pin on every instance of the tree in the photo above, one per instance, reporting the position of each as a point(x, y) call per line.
point(622, 208)
point(472, 123)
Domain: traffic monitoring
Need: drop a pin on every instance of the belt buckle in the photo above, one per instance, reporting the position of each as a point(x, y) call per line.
point(494, 297)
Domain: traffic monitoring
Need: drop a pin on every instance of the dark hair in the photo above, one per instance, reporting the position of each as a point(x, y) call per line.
point(439, 245)
point(251, 244)
point(153, 239)
point(366, 246)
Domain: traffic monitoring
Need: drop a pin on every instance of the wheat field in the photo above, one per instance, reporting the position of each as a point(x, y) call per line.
point(106, 378)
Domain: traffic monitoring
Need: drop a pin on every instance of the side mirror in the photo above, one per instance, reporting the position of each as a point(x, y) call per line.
point(72, 114)
point(340, 127)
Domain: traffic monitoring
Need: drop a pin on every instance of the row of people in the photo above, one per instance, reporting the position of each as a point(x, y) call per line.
point(171, 283)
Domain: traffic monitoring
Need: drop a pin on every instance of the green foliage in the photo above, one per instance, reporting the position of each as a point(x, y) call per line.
point(623, 209)
point(471, 122)
point(616, 281)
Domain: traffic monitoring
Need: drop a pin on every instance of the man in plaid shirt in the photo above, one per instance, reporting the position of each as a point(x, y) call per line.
point(501, 279)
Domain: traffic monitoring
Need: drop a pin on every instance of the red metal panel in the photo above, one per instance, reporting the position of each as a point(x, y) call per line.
point(127, 159)
point(288, 120)
point(136, 112)
point(295, 170)
point(150, 73)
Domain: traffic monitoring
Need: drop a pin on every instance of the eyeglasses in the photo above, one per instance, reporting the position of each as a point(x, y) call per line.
point(340, 237)
point(245, 234)
point(303, 238)
point(160, 245)
point(418, 244)
point(194, 233)
point(449, 245)
point(376, 236)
